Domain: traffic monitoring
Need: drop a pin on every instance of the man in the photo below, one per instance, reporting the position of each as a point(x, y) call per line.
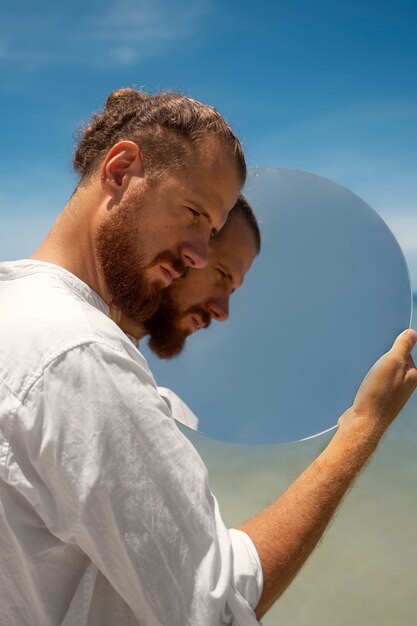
point(106, 516)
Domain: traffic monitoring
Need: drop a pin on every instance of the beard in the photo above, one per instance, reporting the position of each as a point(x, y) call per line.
point(166, 337)
point(117, 245)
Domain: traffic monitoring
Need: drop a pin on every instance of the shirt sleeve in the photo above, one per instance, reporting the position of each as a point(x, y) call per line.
point(178, 408)
point(118, 479)
point(247, 568)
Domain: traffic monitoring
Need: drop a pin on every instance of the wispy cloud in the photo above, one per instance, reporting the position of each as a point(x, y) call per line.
point(363, 129)
point(369, 147)
point(119, 33)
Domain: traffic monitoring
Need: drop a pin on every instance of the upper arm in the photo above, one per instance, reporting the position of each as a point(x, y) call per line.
point(119, 479)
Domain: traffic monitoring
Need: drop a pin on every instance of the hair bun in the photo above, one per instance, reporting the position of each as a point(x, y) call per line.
point(125, 97)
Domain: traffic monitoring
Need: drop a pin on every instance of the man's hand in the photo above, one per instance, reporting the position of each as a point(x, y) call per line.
point(387, 386)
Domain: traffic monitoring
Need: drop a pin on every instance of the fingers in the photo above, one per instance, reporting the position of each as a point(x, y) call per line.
point(411, 366)
point(404, 343)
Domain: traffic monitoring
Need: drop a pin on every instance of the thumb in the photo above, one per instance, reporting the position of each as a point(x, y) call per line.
point(404, 343)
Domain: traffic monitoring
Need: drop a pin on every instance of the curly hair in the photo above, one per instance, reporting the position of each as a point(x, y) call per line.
point(167, 126)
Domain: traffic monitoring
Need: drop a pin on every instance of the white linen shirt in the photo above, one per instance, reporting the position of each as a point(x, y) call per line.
point(106, 517)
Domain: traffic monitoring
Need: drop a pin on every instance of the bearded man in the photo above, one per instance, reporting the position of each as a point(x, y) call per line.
point(106, 516)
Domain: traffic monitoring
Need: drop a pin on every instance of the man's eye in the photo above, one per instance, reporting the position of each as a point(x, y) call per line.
point(222, 274)
point(193, 211)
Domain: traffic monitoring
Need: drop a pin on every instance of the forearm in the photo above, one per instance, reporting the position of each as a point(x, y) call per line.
point(286, 533)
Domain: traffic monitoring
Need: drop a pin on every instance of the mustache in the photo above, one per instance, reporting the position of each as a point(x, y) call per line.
point(202, 313)
point(173, 260)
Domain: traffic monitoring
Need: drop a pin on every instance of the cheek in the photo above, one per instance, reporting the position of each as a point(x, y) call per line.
point(182, 299)
point(183, 323)
point(195, 287)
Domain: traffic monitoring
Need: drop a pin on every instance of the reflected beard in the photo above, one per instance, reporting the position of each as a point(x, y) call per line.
point(122, 266)
point(166, 337)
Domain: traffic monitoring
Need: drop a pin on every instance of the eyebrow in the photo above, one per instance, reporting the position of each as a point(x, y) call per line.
point(204, 213)
point(230, 276)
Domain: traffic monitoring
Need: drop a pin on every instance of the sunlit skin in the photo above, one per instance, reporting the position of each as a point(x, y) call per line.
point(230, 257)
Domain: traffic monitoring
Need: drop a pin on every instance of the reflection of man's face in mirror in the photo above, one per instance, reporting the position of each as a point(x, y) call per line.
point(203, 294)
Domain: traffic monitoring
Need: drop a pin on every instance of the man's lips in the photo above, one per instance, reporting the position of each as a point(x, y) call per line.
point(169, 273)
point(195, 318)
point(197, 322)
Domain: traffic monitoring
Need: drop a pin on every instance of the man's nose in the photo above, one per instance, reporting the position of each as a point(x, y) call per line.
point(218, 308)
point(195, 254)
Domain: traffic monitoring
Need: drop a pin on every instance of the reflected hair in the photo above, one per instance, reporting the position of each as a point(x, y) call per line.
point(245, 208)
point(167, 126)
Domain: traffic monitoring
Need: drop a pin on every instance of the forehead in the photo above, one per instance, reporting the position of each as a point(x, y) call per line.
point(212, 180)
point(235, 245)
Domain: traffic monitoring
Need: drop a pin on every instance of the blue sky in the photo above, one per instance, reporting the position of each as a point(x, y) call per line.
point(318, 86)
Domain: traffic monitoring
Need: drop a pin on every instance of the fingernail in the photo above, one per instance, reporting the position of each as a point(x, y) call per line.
point(412, 334)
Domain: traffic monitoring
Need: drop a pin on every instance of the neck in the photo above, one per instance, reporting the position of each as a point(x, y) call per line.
point(127, 324)
point(70, 242)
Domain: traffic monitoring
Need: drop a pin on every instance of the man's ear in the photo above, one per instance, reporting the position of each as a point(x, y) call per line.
point(123, 161)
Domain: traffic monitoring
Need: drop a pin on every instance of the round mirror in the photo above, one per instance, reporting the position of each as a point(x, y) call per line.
point(326, 297)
